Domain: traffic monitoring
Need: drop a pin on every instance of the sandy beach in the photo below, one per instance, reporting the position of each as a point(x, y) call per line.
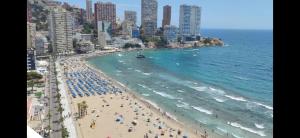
point(122, 114)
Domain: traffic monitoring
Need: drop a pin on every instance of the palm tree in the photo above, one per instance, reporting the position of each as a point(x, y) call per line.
point(31, 84)
point(84, 106)
point(79, 109)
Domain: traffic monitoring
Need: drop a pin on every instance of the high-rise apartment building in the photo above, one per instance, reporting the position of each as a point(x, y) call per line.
point(130, 16)
point(189, 21)
point(29, 14)
point(170, 33)
point(166, 16)
point(106, 12)
point(89, 11)
point(31, 31)
point(60, 31)
point(149, 16)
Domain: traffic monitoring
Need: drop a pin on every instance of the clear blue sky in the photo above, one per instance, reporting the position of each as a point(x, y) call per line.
point(226, 14)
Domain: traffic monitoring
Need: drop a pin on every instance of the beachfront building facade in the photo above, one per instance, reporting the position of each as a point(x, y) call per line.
point(135, 32)
point(189, 21)
point(106, 12)
point(60, 31)
point(31, 32)
point(41, 45)
point(106, 28)
point(130, 16)
point(31, 59)
point(127, 28)
point(166, 16)
point(101, 40)
point(149, 17)
point(89, 11)
point(170, 33)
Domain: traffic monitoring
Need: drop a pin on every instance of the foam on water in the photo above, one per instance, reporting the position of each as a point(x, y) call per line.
point(120, 55)
point(181, 91)
point(164, 94)
point(118, 71)
point(200, 88)
point(222, 130)
point(220, 100)
point(145, 94)
point(138, 70)
point(236, 98)
point(258, 132)
point(142, 85)
point(263, 105)
point(202, 110)
point(183, 105)
point(121, 61)
point(152, 103)
point(236, 136)
point(129, 68)
point(147, 74)
point(241, 78)
point(260, 126)
point(218, 91)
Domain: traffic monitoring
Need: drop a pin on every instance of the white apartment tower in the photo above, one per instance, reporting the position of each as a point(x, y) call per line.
point(189, 21)
point(60, 31)
point(149, 16)
point(89, 11)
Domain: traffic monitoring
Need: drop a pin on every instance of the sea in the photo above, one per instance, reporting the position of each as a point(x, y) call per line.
point(226, 91)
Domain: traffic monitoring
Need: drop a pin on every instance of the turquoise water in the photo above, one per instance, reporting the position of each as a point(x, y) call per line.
point(222, 89)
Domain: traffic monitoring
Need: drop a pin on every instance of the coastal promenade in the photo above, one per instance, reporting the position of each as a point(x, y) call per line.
point(65, 101)
point(55, 115)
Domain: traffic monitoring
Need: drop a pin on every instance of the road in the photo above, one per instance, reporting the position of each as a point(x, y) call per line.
point(54, 104)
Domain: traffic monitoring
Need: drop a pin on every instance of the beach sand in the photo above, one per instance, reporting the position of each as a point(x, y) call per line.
point(110, 106)
point(129, 108)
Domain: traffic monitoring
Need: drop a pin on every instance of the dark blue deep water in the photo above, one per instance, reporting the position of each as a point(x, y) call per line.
point(222, 89)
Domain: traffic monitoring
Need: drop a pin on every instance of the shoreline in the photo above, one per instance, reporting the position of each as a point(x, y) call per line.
point(154, 107)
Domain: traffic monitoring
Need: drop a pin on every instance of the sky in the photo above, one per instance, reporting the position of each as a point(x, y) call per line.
point(216, 14)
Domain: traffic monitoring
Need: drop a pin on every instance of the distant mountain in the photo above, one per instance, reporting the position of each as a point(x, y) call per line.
point(39, 11)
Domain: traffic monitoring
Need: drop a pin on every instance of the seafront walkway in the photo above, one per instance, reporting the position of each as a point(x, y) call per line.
point(65, 101)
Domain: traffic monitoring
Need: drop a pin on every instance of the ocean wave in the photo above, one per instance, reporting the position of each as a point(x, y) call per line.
point(145, 94)
point(258, 132)
point(236, 98)
point(121, 61)
point(218, 91)
point(183, 105)
point(260, 126)
point(241, 78)
point(120, 55)
point(203, 110)
point(118, 71)
point(177, 64)
point(222, 130)
point(263, 105)
point(129, 68)
point(236, 136)
point(142, 85)
point(194, 55)
point(182, 91)
point(164, 94)
point(220, 100)
point(138, 70)
point(200, 88)
point(152, 103)
point(147, 74)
